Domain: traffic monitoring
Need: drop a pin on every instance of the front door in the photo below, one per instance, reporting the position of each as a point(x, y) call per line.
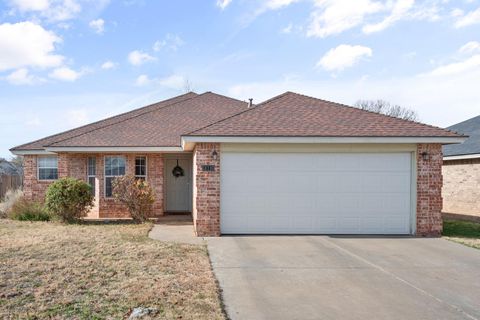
point(178, 175)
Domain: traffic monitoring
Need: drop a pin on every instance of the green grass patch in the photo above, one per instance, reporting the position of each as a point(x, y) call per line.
point(464, 232)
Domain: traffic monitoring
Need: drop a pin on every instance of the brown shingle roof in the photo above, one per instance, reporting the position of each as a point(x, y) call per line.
point(158, 125)
point(162, 124)
point(292, 114)
point(41, 143)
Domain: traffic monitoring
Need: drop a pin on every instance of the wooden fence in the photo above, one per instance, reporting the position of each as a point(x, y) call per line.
point(9, 182)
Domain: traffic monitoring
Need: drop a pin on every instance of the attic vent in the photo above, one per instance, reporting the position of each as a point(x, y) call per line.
point(250, 102)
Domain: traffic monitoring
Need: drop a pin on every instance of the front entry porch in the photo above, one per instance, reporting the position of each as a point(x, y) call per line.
point(178, 183)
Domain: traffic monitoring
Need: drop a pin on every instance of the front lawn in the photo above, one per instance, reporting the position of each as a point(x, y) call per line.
point(464, 232)
point(50, 270)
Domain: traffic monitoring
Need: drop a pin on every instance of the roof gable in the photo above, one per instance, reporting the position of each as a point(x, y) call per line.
point(41, 143)
point(295, 115)
point(159, 127)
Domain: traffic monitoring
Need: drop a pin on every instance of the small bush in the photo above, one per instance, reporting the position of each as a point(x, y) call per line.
point(25, 210)
point(11, 197)
point(68, 199)
point(136, 194)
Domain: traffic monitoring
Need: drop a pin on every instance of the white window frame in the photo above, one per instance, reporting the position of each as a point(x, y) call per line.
point(38, 167)
point(90, 175)
point(146, 168)
point(110, 176)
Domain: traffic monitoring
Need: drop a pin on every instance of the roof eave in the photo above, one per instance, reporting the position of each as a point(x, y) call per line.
point(188, 141)
point(20, 152)
point(78, 149)
point(462, 156)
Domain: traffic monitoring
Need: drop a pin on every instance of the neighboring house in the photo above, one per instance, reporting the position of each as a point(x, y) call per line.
point(10, 177)
point(292, 164)
point(461, 171)
point(8, 168)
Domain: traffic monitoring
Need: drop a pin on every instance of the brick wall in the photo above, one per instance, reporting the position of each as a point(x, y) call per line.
point(429, 190)
point(75, 165)
point(461, 186)
point(33, 188)
point(206, 190)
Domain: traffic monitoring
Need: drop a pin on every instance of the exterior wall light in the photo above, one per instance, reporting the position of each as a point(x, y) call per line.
point(424, 156)
point(214, 154)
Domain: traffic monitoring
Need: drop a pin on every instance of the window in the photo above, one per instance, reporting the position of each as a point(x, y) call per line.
point(47, 168)
point(114, 167)
point(141, 168)
point(91, 173)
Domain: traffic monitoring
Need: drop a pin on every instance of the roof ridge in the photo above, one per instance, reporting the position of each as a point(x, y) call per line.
point(101, 120)
point(373, 112)
point(224, 96)
point(135, 116)
point(254, 107)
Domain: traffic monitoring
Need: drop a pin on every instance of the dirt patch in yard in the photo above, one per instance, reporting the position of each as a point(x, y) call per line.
point(50, 270)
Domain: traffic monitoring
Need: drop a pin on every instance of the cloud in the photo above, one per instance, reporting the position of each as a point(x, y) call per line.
point(107, 65)
point(467, 62)
point(457, 67)
point(343, 56)
point(97, 25)
point(22, 77)
point(173, 81)
point(473, 17)
point(470, 47)
point(52, 10)
point(222, 4)
point(77, 117)
point(31, 5)
point(287, 29)
point(265, 6)
point(138, 58)
point(456, 12)
point(65, 74)
point(26, 44)
point(335, 16)
point(277, 4)
point(171, 42)
point(33, 121)
point(142, 80)
point(399, 11)
point(64, 10)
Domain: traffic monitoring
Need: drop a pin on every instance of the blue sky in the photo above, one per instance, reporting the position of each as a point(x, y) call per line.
point(64, 63)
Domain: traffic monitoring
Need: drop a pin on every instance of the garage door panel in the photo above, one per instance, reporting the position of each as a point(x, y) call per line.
point(316, 193)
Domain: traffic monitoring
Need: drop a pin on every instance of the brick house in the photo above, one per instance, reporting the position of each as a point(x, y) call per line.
point(290, 165)
point(461, 171)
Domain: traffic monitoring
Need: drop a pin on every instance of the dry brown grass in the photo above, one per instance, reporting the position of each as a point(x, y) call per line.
point(56, 271)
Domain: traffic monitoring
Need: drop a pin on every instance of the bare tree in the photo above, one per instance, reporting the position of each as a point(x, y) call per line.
point(385, 107)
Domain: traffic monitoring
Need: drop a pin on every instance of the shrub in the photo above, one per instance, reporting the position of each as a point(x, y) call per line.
point(136, 194)
point(11, 197)
point(68, 199)
point(25, 210)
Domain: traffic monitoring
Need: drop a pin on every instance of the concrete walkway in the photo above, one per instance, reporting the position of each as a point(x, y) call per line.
point(321, 277)
point(178, 229)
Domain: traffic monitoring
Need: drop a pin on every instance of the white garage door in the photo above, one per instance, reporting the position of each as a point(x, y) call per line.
point(315, 193)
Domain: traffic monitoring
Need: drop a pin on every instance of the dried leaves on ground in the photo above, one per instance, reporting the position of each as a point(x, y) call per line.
point(50, 270)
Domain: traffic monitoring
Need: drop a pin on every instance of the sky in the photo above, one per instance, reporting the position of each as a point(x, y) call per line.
point(65, 63)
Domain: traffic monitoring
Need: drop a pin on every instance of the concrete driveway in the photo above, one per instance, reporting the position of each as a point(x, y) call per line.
point(321, 277)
